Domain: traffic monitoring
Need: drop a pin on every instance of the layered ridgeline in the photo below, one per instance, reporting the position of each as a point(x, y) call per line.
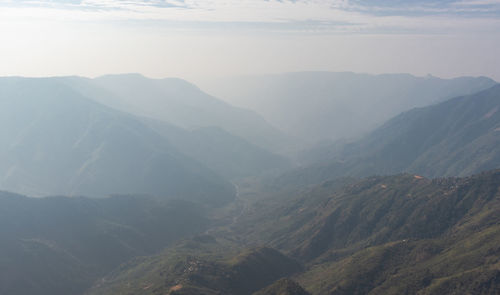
point(231, 141)
point(180, 103)
point(60, 245)
point(55, 140)
point(458, 137)
point(315, 106)
point(230, 156)
point(400, 234)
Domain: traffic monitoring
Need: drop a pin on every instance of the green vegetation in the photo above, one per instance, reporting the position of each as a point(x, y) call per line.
point(440, 266)
point(283, 287)
point(183, 228)
point(401, 234)
point(200, 266)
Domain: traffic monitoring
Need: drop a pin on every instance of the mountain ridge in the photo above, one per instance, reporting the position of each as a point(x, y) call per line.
point(56, 141)
point(325, 106)
point(458, 137)
point(60, 245)
point(378, 235)
point(184, 104)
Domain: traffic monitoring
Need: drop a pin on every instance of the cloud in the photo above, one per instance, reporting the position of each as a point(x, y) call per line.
point(130, 4)
point(477, 2)
point(317, 16)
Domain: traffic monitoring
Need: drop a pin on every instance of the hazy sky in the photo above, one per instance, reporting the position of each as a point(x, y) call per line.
point(191, 38)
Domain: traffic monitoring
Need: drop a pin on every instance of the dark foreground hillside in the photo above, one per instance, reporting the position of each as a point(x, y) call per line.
point(402, 234)
point(61, 245)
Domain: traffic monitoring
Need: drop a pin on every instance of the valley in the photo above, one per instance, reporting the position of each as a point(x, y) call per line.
point(109, 198)
point(380, 235)
point(256, 147)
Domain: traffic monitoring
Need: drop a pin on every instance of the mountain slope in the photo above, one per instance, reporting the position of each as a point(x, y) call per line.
point(283, 287)
point(228, 155)
point(202, 267)
point(60, 245)
point(375, 210)
point(442, 266)
point(458, 137)
point(318, 106)
point(380, 235)
point(183, 104)
point(55, 141)
point(388, 235)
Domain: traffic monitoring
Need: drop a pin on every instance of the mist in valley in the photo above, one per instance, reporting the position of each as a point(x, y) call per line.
point(258, 147)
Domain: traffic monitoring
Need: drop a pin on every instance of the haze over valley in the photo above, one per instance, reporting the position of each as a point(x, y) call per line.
point(251, 147)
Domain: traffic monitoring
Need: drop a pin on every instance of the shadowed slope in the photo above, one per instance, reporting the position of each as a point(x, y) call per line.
point(55, 141)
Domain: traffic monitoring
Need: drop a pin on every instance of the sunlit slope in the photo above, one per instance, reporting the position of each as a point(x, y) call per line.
point(447, 245)
point(201, 266)
point(387, 235)
point(380, 235)
point(283, 287)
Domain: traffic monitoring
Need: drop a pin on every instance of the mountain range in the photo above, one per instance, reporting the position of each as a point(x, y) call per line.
point(458, 137)
point(325, 106)
point(190, 203)
point(230, 156)
point(401, 234)
point(180, 103)
point(185, 270)
point(56, 140)
point(353, 234)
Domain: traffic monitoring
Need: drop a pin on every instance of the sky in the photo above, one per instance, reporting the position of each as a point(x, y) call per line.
point(193, 39)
